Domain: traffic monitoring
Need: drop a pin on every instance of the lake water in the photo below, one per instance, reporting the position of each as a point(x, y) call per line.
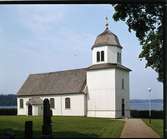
point(7, 107)
point(144, 105)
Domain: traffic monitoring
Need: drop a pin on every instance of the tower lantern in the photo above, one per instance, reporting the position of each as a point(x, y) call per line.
point(106, 48)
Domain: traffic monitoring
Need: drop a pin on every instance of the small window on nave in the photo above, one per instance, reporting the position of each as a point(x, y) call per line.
point(67, 103)
point(52, 103)
point(21, 103)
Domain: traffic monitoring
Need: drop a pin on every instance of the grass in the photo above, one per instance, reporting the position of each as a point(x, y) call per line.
point(156, 125)
point(65, 126)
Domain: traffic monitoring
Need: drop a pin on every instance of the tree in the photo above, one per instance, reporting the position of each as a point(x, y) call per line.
point(146, 21)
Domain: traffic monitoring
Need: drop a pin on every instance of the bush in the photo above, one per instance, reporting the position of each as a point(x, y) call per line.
point(12, 111)
point(145, 114)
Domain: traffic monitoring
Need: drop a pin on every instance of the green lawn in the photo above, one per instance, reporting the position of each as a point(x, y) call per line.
point(66, 126)
point(156, 125)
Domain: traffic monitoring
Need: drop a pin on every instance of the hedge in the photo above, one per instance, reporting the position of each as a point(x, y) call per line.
point(134, 113)
point(145, 114)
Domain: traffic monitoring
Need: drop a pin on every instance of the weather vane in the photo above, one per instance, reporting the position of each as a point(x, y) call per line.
point(106, 22)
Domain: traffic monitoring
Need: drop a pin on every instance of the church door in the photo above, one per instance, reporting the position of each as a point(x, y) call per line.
point(123, 107)
point(29, 109)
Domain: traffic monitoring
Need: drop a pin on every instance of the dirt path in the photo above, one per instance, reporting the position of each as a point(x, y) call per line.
point(136, 128)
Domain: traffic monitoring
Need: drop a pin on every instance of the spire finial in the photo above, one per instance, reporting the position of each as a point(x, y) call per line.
point(106, 22)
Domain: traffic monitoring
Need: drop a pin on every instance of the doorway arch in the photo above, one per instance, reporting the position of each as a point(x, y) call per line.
point(29, 109)
point(123, 107)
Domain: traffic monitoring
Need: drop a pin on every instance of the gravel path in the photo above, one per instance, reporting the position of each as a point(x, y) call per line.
point(136, 128)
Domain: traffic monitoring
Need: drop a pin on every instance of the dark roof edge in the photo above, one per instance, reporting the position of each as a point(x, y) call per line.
point(50, 94)
point(124, 68)
point(115, 66)
point(111, 68)
point(99, 45)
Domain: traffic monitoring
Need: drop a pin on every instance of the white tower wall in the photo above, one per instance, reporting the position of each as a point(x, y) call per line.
point(110, 54)
point(94, 54)
point(122, 93)
point(101, 93)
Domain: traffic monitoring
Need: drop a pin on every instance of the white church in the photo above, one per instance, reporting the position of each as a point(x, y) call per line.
point(100, 90)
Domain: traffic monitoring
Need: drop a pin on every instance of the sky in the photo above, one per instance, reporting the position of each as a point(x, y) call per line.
point(49, 38)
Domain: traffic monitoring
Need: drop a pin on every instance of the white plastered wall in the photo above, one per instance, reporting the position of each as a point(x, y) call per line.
point(101, 93)
point(77, 105)
point(122, 93)
point(24, 110)
point(110, 54)
point(35, 110)
point(94, 54)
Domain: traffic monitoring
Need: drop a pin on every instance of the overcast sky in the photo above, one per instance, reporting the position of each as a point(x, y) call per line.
point(48, 38)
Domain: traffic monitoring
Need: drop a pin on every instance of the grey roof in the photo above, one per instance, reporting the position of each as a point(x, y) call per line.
point(108, 66)
point(35, 101)
point(62, 82)
point(106, 38)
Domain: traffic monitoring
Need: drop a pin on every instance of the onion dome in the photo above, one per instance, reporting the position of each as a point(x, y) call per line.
point(106, 38)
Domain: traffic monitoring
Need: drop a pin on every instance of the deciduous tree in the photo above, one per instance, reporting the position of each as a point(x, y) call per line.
point(146, 21)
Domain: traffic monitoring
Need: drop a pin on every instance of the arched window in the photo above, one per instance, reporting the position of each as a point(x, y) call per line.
point(67, 103)
point(123, 107)
point(98, 56)
point(102, 55)
point(52, 103)
point(21, 103)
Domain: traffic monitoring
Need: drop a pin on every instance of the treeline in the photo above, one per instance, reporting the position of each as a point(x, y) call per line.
point(8, 100)
point(12, 111)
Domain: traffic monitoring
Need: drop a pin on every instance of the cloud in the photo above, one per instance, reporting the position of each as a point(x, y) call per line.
point(44, 38)
point(40, 18)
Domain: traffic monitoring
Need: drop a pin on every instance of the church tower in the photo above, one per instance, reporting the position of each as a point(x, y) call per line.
point(107, 79)
point(106, 48)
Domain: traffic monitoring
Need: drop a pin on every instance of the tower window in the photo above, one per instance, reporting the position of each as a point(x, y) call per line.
point(119, 57)
point(52, 102)
point(122, 83)
point(102, 55)
point(67, 103)
point(21, 103)
point(98, 56)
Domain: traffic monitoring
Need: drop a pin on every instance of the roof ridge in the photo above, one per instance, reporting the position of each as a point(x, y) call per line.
point(58, 71)
point(107, 31)
point(107, 38)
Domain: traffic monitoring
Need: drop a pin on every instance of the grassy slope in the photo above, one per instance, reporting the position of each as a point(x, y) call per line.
point(156, 125)
point(66, 126)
